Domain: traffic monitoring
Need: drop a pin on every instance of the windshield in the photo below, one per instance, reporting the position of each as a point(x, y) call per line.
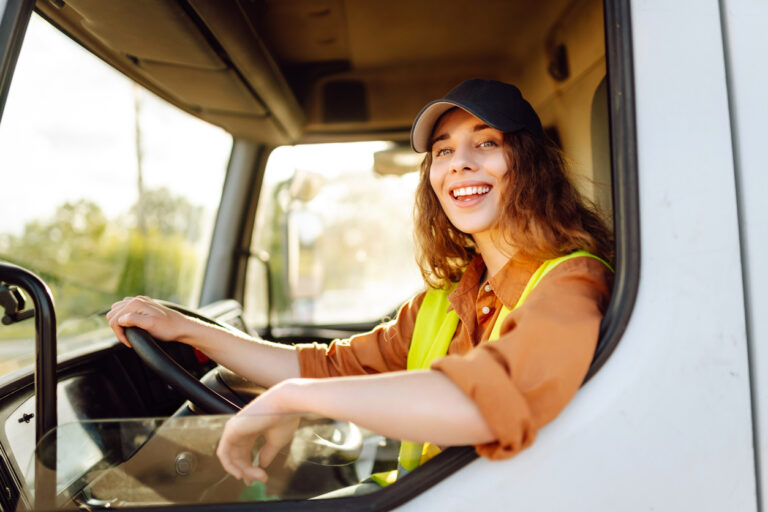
point(152, 461)
point(108, 191)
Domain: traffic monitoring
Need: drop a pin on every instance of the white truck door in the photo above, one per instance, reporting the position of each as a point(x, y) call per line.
point(746, 47)
point(666, 424)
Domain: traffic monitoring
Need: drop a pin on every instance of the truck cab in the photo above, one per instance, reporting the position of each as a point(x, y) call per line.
point(247, 162)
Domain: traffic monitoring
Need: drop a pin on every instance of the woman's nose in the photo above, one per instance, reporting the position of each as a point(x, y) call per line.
point(462, 160)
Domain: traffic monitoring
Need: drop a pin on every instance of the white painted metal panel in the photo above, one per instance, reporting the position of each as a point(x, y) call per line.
point(666, 424)
point(747, 52)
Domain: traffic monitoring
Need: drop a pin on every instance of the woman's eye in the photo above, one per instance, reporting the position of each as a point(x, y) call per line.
point(488, 144)
point(442, 152)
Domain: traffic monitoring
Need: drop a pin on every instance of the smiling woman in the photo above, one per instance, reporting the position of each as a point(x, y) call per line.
point(509, 309)
point(495, 181)
point(92, 210)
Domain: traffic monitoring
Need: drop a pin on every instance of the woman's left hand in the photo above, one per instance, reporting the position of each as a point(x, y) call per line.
point(259, 418)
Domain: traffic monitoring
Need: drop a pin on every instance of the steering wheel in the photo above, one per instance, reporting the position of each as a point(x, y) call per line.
point(148, 349)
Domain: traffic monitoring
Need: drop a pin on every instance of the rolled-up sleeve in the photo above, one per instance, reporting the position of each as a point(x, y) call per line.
point(384, 349)
point(524, 379)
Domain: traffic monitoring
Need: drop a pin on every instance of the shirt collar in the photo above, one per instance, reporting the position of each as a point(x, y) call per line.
point(508, 283)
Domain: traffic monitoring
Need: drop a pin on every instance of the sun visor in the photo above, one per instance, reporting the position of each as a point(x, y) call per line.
point(201, 56)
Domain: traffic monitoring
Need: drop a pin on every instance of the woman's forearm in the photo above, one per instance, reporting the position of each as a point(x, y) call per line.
point(257, 360)
point(415, 406)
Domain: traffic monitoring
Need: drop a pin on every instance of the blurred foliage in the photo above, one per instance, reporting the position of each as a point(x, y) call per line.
point(90, 262)
point(275, 242)
point(168, 215)
point(358, 235)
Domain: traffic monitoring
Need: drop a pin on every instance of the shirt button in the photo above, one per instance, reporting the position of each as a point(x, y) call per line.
point(487, 287)
point(486, 310)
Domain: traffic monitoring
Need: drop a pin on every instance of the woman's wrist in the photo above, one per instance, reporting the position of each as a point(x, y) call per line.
point(202, 335)
point(286, 397)
point(192, 332)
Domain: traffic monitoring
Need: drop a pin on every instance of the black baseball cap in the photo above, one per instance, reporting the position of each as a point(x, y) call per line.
point(497, 104)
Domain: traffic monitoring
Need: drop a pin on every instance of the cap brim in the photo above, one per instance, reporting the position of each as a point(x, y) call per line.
point(422, 128)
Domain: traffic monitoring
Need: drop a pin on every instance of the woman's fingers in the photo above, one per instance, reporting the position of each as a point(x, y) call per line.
point(233, 462)
point(112, 318)
point(118, 310)
point(160, 321)
point(254, 473)
point(235, 450)
point(241, 468)
point(277, 437)
point(268, 453)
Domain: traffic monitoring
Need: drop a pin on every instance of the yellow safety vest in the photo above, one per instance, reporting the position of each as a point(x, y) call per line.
point(432, 333)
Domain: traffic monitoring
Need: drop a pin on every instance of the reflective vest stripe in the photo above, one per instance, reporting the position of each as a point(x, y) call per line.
point(433, 333)
point(436, 324)
point(537, 276)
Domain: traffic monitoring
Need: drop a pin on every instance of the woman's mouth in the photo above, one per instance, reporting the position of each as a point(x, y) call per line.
point(467, 194)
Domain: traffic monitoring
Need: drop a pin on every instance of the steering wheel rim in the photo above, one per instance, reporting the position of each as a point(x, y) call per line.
point(148, 349)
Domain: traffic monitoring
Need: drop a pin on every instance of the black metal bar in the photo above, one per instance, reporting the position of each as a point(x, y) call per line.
point(45, 372)
point(45, 344)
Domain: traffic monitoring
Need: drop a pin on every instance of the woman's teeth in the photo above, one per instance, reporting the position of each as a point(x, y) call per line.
point(470, 191)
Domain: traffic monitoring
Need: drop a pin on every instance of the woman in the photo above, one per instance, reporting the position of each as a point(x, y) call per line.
point(510, 253)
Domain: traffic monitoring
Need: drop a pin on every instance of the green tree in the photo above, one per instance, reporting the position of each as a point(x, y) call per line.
point(89, 261)
point(168, 214)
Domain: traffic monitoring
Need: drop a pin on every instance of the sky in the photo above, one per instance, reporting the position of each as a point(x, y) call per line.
point(68, 132)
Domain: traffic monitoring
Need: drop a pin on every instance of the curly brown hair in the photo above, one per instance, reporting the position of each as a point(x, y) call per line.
point(543, 215)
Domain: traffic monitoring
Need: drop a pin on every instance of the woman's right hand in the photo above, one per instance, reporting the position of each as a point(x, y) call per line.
point(269, 416)
point(160, 321)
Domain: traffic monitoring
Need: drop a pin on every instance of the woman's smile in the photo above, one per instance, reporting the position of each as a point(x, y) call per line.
point(467, 191)
point(469, 194)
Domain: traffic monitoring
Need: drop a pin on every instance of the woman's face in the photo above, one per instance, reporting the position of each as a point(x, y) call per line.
point(467, 171)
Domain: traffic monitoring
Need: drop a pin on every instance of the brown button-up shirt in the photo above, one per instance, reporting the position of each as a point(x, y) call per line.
point(519, 382)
